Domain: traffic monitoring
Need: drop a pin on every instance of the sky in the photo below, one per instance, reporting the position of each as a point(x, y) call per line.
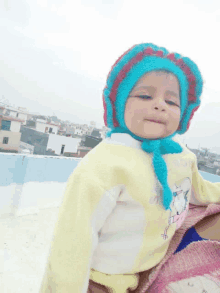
point(55, 55)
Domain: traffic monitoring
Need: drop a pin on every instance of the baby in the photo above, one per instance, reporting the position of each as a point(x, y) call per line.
point(127, 197)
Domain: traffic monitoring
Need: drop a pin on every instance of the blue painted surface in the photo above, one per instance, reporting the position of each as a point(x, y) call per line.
point(210, 177)
point(20, 169)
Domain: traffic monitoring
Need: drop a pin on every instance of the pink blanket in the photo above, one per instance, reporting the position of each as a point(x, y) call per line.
point(194, 269)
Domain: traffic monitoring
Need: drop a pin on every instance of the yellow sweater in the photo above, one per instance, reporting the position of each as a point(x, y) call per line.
point(112, 224)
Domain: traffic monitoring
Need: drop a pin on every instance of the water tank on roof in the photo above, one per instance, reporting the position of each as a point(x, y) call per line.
point(95, 133)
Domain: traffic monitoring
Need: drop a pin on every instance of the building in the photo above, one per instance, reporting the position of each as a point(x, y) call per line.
point(81, 152)
point(207, 161)
point(82, 129)
point(209, 168)
point(20, 113)
point(48, 143)
point(2, 110)
point(10, 133)
point(49, 136)
point(95, 133)
point(43, 126)
point(90, 141)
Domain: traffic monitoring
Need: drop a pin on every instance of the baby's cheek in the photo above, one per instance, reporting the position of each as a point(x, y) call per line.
point(175, 110)
point(175, 115)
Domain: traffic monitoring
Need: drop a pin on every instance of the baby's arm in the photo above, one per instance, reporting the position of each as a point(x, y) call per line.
point(76, 235)
point(203, 192)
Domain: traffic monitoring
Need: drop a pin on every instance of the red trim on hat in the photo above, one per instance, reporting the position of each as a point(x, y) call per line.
point(171, 56)
point(159, 53)
point(104, 106)
point(191, 80)
point(105, 109)
point(148, 51)
point(191, 116)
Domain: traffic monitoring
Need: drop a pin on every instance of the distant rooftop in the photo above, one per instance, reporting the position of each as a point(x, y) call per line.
point(9, 118)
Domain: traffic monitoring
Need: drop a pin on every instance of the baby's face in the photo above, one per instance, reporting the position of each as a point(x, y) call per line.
point(156, 96)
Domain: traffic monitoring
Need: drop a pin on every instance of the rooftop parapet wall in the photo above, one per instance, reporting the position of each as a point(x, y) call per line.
point(29, 183)
point(32, 182)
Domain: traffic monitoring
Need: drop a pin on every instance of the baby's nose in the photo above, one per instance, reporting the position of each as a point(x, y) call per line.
point(159, 104)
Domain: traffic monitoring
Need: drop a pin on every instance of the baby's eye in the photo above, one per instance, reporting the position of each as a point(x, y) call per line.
point(143, 96)
point(172, 103)
point(149, 97)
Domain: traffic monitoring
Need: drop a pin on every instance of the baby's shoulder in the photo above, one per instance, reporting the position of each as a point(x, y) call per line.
point(186, 154)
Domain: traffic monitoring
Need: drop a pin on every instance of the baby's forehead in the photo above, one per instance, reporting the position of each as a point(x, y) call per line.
point(156, 73)
point(156, 76)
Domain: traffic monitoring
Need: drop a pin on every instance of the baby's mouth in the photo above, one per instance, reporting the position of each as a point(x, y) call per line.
point(154, 121)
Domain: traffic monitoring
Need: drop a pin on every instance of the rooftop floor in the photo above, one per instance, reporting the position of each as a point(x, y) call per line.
point(25, 249)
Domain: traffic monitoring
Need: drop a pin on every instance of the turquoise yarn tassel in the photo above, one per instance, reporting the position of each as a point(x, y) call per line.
point(158, 148)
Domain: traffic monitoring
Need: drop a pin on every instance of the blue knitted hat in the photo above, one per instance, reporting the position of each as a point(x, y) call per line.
point(124, 74)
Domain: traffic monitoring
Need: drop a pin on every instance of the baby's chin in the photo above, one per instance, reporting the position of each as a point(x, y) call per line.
point(154, 136)
point(152, 132)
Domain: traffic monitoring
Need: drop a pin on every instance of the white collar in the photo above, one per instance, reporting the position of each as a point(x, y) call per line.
point(123, 139)
point(127, 140)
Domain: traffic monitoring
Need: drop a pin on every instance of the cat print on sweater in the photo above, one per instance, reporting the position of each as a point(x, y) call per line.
point(179, 205)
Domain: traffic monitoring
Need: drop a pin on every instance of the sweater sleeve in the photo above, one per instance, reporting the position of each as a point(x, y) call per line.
point(203, 192)
point(81, 216)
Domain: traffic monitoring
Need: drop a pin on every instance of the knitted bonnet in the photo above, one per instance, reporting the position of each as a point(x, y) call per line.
point(124, 74)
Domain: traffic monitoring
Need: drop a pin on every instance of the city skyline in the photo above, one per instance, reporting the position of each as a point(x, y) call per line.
point(194, 143)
